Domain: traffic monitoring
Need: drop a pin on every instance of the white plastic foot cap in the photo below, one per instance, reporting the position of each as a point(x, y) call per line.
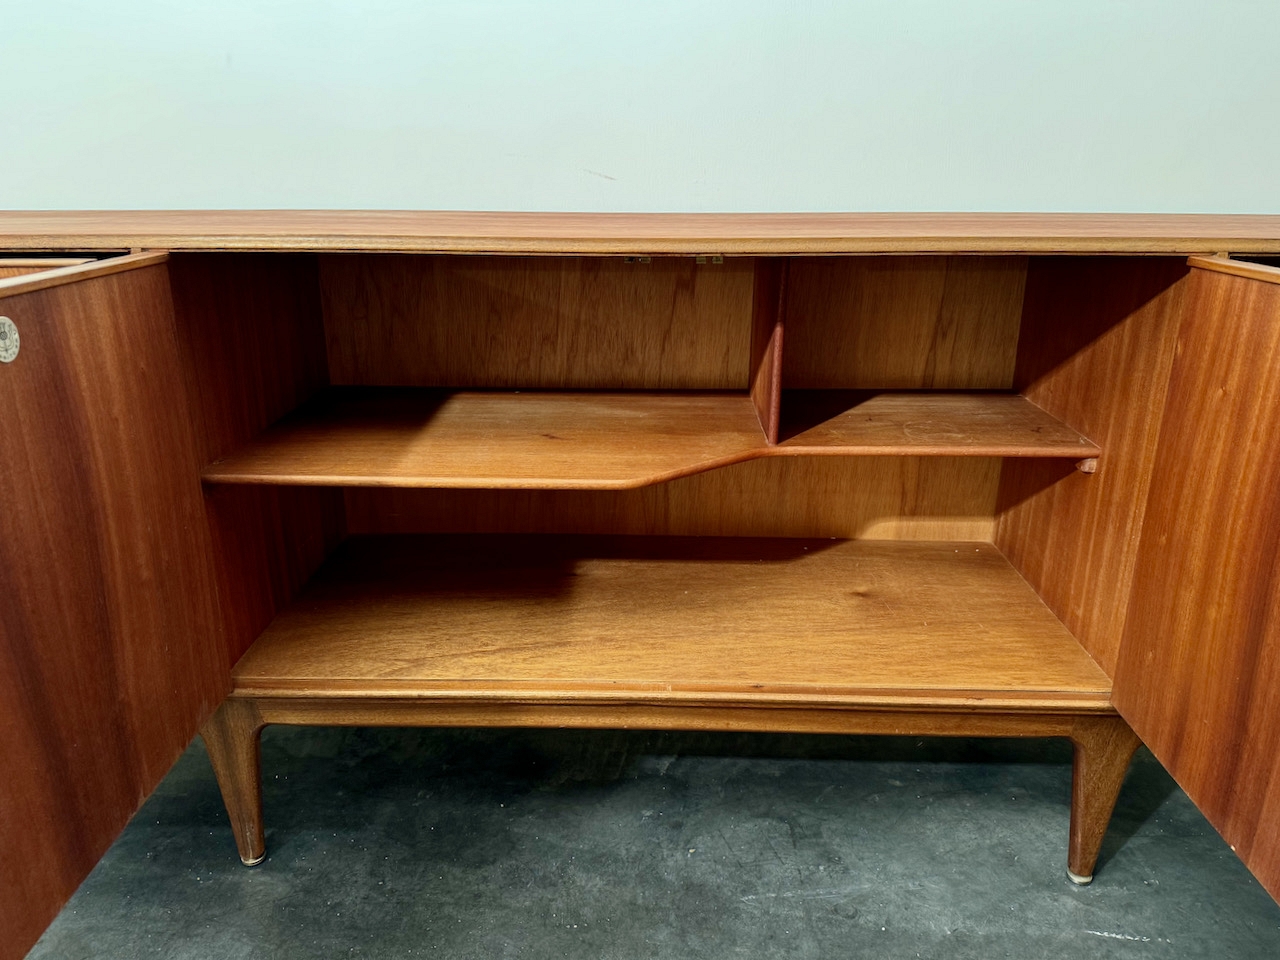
point(1078, 880)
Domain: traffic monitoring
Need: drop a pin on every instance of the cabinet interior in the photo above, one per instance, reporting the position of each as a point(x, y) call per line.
point(458, 404)
point(863, 492)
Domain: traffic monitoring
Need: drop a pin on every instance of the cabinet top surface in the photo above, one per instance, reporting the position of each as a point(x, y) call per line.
point(647, 233)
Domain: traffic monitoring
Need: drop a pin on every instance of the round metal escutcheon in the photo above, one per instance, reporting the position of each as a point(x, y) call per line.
point(8, 340)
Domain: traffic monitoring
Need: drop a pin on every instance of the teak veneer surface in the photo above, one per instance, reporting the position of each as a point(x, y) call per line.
point(1237, 268)
point(110, 657)
point(1199, 668)
point(924, 424)
point(498, 440)
point(879, 498)
point(639, 233)
point(253, 350)
point(128, 595)
point(562, 323)
point(612, 441)
point(21, 266)
point(1097, 344)
point(768, 304)
point(902, 323)
point(674, 619)
point(75, 271)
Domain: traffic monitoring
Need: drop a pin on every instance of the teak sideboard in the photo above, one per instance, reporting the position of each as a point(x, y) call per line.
point(989, 475)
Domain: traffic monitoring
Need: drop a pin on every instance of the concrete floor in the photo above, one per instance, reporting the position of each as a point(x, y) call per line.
point(540, 844)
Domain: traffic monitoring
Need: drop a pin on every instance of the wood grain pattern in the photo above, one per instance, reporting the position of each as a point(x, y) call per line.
point(903, 323)
point(1096, 347)
point(889, 720)
point(498, 440)
point(612, 441)
point(117, 417)
point(110, 656)
point(660, 633)
point(1237, 268)
point(1199, 669)
point(768, 306)
point(232, 739)
point(21, 266)
point(45, 279)
point(252, 349)
point(893, 498)
point(42, 263)
point(630, 233)
point(693, 619)
point(1103, 742)
point(554, 322)
point(862, 423)
point(1104, 746)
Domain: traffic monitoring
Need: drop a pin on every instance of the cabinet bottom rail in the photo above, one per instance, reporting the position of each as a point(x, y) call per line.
point(1103, 744)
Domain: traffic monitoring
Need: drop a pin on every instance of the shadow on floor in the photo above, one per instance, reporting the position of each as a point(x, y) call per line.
point(390, 843)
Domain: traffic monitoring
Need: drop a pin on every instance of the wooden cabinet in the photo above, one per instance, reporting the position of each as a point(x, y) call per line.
point(952, 475)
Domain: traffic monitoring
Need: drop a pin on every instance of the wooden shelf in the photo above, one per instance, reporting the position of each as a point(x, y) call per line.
point(513, 439)
point(381, 437)
point(553, 619)
point(850, 422)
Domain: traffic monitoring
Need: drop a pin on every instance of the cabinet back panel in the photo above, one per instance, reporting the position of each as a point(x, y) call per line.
point(564, 322)
point(885, 498)
point(1096, 348)
point(902, 323)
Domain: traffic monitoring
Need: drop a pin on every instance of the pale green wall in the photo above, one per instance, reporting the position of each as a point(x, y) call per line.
point(1082, 105)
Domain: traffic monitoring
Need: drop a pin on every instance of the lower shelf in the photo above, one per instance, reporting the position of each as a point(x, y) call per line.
point(677, 621)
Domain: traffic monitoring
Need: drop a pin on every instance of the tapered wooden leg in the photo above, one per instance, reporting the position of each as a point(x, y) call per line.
point(232, 736)
point(1103, 748)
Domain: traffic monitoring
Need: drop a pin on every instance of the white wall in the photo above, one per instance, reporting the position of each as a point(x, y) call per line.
point(1075, 105)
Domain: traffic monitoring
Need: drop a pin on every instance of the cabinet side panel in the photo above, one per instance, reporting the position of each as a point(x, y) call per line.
point(1095, 351)
point(556, 322)
point(902, 323)
point(1199, 669)
point(110, 653)
point(252, 343)
point(880, 498)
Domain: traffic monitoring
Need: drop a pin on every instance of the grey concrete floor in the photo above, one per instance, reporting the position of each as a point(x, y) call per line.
point(584, 844)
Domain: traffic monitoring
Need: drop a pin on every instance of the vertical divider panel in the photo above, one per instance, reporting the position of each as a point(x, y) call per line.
point(767, 320)
point(252, 345)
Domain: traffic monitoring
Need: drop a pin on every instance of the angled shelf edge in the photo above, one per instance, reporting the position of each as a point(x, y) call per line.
point(547, 619)
point(526, 439)
point(410, 437)
point(852, 422)
point(1264, 272)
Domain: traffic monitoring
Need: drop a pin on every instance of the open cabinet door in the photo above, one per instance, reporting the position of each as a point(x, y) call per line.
point(110, 650)
point(1198, 675)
